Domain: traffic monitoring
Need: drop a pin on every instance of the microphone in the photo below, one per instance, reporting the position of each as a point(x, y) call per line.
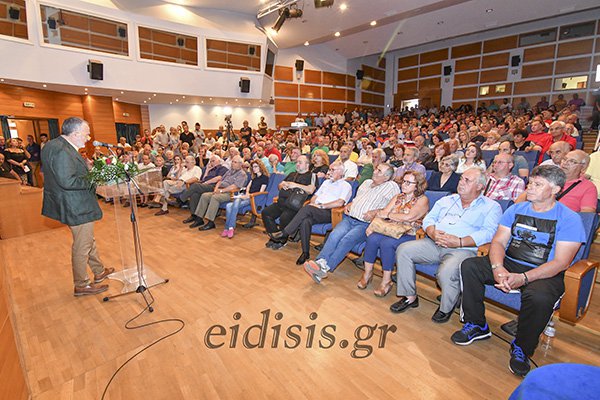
point(102, 144)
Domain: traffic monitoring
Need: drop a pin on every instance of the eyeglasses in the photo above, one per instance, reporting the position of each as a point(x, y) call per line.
point(405, 182)
point(501, 162)
point(570, 161)
point(255, 166)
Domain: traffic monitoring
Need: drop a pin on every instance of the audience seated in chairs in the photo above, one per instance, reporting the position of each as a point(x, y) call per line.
point(350, 167)
point(557, 152)
point(521, 167)
point(372, 196)
point(455, 227)
point(303, 180)
point(501, 183)
point(258, 183)
point(531, 259)
point(411, 154)
point(440, 151)
point(473, 158)
point(319, 163)
point(208, 206)
point(378, 158)
point(446, 179)
point(333, 192)
point(408, 208)
point(214, 172)
point(274, 166)
point(191, 173)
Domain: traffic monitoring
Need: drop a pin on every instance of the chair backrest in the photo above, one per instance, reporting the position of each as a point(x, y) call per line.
point(434, 196)
point(531, 157)
point(355, 184)
point(428, 174)
point(590, 224)
point(273, 187)
point(505, 204)
point(488, 156)
point(332, 159)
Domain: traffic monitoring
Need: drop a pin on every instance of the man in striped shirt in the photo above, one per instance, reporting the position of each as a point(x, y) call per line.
point(501, 183)
point(373, 195)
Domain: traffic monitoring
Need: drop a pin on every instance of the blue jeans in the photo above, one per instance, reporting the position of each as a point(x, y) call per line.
point(347, 234)
point(387, 249)
point(232, 211)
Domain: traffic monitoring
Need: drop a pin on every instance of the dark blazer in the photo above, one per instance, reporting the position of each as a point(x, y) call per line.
point(68, 196)
point(450, 186)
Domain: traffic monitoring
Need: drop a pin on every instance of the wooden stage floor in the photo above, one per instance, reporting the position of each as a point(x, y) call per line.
point(70, 346)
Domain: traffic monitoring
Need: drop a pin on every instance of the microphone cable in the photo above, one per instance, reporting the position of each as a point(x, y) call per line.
point(128, 325)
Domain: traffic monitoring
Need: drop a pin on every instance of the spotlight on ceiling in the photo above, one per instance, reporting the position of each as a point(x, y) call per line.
point(284, 14)
point(323, 3)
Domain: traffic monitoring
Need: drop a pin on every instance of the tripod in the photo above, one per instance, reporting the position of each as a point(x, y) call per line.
point(136, 283)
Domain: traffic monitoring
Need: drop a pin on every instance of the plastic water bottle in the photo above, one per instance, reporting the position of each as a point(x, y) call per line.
point(548, 336)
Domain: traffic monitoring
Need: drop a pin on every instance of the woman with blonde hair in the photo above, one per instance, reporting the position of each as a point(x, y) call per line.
point(319, 162)
point(258, 183)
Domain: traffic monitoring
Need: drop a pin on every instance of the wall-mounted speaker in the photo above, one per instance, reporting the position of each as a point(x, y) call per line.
point(244, 85)
point(251, 50)
point(122, 32)
point(96, 70)
point(14, 13)
point(180, 42)
point(515, 61)
point(299, 65)
point(51, 23)
point(447, 70)
point(360, 74)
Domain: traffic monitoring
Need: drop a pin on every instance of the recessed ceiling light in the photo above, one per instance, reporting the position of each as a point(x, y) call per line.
point(149, 98)
point(170, 102)
point(144, 101)
point(176, 99)
point(202, 102)
point(306, 43)
point(117, 99)
point(183, 97)
point(489, 10)
point(210, 98)
point(44, 85)
point(2, 80)
point(86, 89)
point(122, 92)
point(236, 99)
point(373, 23)
point(337, 34)
point(154, 95)
point(343, 7)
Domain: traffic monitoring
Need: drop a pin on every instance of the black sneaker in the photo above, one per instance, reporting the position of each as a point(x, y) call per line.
point(469, 333)
point(519, 362)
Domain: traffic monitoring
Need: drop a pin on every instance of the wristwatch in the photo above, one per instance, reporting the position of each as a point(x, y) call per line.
point(494, 266)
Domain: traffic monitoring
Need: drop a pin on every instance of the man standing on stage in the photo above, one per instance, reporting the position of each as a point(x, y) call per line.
point(68, 198)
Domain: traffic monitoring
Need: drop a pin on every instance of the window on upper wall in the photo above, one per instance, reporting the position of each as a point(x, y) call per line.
point(232, 55)
point(500, 88)
point(577, 30)
point(572, 82)
point(270, 63)
point(528, 39)
point(484, 90)
point(13, 19)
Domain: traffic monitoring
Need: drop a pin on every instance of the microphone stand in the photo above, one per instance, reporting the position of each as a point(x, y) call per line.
point(142, 287)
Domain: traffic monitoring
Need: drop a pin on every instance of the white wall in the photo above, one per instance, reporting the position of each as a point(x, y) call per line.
point(316, 57)
point(210, 117)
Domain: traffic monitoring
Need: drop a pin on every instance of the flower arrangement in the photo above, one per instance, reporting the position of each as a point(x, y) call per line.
point(109, 169)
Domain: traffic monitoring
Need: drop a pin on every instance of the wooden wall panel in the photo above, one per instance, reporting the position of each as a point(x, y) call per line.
point(493, 75)
point(311, 76)
point(145, 113)
point(457, 104)
point(465, 93)
point(309, 106)
point(284, 73)
point(350, 96)
point(134, 111)
point(433, 56)
point(286, 105)
point(534, 86)
point(374, 73)
point(573, 65)
point(334, 93)
point(469, 78)
point(466, 50)
point(431, 83)
point(504, 43)
point(371, 98)
point(430, 70)
point(238, 56)
point(408, 61)
point(373, 86)
point(335, 79)
point(534, 70)
point(405, 74)
point(310, 92)
point(575, 48)
point(286, 89)
point(328, 106)
point(98, 111)
point(284, 120)
point(410, 86)
point(495, 60)
point(467, 64)
point(539, 53)
point(351, 81)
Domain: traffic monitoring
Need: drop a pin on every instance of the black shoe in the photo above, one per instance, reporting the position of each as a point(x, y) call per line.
point(277, 245)
point(269, 244)
point(295, 238)
point(403, 304)
point(470, 333)
point(319, 247)
point(441, 317)
point(249, 225)
point(302, 259)
point(208, 226)
point(279, 237)
point(197, 222)
point(189, 219)
point(143, 205)
point(519, 362)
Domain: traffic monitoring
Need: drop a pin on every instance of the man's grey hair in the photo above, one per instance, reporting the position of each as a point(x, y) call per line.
point(379, 153)
point(481, 178)
point(72, 125)
point(389, 171)
point(553, 174)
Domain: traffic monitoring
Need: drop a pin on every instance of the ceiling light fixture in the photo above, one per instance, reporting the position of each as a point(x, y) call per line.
point(373, 23)
point(343, 7)
point(121, 92)
point(324, 3)
point(306, 43)
point(144, 101)
point(170, 102)
point(44, 85)
point(154, 95)
point(176, 99)
point(284, 14)
point(183, 97)
point(117, 99)
point(2, 80)
point(86, 89)
point(337, 34)
point(489, 10)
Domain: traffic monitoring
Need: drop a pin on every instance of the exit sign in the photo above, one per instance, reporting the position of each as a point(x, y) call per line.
point(28, 104)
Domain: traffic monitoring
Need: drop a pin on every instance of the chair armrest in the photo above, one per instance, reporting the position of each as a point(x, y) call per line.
point(275, 199)
point(483, 250)
point(337, 214)
point(570, 310)
point(420, 234)
point(253, 201)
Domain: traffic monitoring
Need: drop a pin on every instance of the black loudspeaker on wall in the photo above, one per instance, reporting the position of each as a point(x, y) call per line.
point(251, 50)
point(360, 74)
point(244, 85)
point(14, 13)
point(299, 65)
point(96, 70)
point(447, 70)
point(515, 61)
